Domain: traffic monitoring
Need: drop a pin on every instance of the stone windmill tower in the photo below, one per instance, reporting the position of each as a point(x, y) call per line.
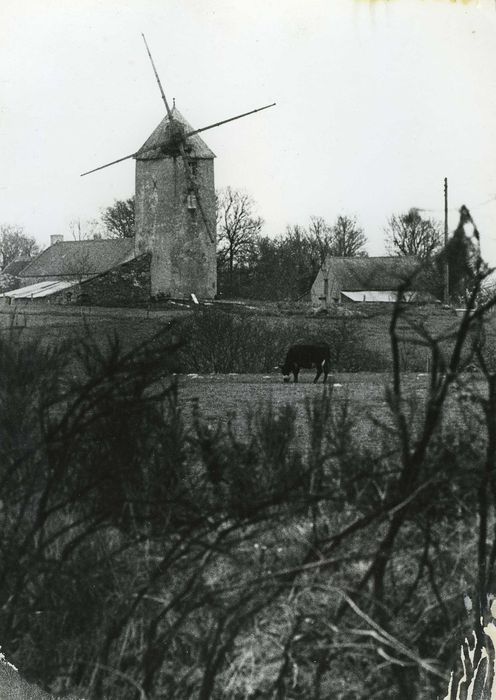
point(175, 212)
point(175, 205)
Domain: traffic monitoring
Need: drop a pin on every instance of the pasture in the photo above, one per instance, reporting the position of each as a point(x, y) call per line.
point(359, 339)
point(222, 396)
point(232, 396)
point(358, 400)
point(51, 323)
point(240, 397)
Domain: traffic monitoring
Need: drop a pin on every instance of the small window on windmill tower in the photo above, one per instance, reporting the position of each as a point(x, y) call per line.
point(193, 167)
point(191, 201)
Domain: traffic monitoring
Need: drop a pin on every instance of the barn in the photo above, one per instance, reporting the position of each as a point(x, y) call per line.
point(368, 279)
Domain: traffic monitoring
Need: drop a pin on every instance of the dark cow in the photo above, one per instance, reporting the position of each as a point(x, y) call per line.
point(307, 357)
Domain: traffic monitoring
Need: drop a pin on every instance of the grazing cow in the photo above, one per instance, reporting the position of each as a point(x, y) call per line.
point(307, 357)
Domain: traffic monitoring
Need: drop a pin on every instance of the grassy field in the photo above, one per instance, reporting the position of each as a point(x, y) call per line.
point(221, 398)
point(239, 397)
point(220, 395)
point(135, 325)
point(50, 324)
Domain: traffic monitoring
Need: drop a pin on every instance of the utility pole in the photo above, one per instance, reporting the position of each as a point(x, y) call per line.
point(446, 261)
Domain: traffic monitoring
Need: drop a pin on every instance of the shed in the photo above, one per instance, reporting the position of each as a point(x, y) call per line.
point(367, 279)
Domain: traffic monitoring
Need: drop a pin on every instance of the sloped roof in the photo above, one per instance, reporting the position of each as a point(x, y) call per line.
point(16, 266)
point(199, 148)
point(69, 258)
point(373, 274)
point(39, 290)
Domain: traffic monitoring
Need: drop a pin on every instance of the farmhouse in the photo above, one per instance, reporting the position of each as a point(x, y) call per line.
point(374, 279)
point(95, 271)
point(77, 260)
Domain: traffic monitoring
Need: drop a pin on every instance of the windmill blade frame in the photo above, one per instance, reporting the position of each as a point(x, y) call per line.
point(178, 140)
point(178, 136)
point(225, 121)
point(107, 165)
point(186, 135)
point(169, 113)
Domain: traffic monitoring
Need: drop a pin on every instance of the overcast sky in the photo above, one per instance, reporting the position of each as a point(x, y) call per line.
point(376, 103)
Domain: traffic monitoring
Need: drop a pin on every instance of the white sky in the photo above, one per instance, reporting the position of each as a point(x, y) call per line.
point(376, 103)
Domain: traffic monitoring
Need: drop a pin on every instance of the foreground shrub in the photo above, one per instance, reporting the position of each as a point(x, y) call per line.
point(218, 341)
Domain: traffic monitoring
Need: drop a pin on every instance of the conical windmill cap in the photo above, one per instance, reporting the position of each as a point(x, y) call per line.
point(197, 148)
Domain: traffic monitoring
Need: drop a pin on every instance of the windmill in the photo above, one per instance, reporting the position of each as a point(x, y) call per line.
point(175, 203)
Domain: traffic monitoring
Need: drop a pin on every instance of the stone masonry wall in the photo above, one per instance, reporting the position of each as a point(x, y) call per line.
point(183, 256)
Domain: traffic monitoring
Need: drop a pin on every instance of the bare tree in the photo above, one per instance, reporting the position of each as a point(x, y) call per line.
point(348, 239)
point(321, 237)
point(119, 218)
point(410, 234)
point(237, 226)
point(83, 230)
point(344, 239)
point(79, 267)
point(14, 243)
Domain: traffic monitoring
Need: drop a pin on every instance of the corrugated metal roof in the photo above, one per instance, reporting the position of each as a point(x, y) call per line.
point(39, 290)
point(197, 148)
point(80, 258)
point(374, 274)
point(385, 296)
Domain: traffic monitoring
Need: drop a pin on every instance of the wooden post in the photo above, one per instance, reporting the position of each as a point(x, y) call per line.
point(446, 261)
